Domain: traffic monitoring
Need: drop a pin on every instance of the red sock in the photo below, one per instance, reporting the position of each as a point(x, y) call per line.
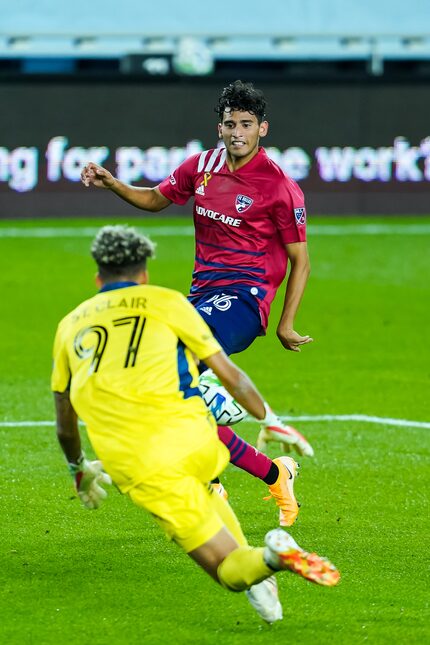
point(243, 455)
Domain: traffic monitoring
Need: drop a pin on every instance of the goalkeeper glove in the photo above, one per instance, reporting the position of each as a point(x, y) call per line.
point(272, 429)
point(88, 476)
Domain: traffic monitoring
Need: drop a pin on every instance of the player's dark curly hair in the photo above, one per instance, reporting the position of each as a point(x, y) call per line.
point(243, 97)
point(120, 251)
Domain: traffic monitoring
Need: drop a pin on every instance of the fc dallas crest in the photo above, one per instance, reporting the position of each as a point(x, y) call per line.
point(243, 203)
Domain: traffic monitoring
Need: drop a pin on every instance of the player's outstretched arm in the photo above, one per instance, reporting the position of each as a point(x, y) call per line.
point(148, 199)
point(297, 279)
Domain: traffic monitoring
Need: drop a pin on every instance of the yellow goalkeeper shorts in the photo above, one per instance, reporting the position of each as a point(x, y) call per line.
point(179, 495)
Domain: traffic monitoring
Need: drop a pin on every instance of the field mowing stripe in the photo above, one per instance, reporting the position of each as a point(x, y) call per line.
point(188, 231)
point(404, 423)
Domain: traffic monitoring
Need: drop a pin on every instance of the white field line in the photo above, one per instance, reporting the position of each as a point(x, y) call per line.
point(363, 418)
point(188, 231)
point(404, 423)
point(369, 229)
point(88, 231)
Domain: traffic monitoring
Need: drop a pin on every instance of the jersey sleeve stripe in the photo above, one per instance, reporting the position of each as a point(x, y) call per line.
point(221, 275)
point(221, 161)
point(212, 160)
point(196, 290)
point(202, 160)
point(228, 248)
point(221, 265)
point(185, 378)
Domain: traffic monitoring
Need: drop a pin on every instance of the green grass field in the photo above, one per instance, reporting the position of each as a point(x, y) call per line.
point(110, 577)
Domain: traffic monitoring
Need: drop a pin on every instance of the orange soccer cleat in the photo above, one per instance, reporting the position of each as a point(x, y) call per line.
point(282, 552)
point(282, 490)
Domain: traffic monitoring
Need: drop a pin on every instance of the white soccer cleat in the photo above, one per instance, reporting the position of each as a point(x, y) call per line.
point(282, 552)
point(272, 429)
point(264, 598)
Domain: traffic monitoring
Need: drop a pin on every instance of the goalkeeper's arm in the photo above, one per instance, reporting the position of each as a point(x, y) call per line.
point(87, 475)
point(67, 427)
point(238, 383)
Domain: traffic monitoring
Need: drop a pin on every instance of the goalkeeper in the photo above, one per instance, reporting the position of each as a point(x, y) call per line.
point(123, 363)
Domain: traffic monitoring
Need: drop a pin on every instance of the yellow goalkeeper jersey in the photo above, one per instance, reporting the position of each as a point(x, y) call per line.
point(127, 356)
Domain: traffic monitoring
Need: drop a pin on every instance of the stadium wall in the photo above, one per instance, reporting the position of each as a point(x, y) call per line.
point(355, 148)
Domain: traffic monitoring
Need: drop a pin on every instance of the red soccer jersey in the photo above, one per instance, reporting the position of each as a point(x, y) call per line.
point(242, 220)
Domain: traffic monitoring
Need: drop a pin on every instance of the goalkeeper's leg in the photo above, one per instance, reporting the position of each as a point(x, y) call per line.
point(236, 566)
point(245, 566)
point(239, 567)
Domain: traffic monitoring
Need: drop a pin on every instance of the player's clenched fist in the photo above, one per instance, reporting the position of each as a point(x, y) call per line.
point(97, 175)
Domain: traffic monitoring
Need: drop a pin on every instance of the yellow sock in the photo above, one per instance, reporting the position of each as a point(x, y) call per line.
point(243, 568)
point(226, 513)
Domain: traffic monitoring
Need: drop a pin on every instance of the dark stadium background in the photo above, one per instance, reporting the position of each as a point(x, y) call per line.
point(145, 113)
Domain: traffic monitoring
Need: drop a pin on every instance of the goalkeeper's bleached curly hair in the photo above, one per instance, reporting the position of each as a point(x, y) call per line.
point(120, 251)
point(243, 97)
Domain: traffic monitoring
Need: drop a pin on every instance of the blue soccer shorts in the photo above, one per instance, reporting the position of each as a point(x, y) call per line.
point(232, 315)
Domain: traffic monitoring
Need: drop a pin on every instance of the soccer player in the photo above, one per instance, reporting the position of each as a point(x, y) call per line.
point(249, 220)
point(124, 363)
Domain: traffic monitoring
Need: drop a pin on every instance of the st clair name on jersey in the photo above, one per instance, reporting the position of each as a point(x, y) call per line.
point(109, 303)
point(226, 219)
